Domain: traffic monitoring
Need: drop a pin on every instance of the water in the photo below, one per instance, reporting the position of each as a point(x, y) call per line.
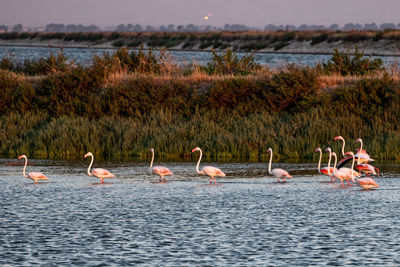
point(247, 220)
point(84, 56)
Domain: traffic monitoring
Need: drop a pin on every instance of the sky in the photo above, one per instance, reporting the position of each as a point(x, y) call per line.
point(257, 13)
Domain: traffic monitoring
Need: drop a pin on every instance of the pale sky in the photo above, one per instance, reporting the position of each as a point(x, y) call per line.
point(162, 12)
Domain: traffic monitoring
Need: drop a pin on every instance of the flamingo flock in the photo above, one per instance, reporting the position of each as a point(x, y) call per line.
point(341, 173)
point(338, 172)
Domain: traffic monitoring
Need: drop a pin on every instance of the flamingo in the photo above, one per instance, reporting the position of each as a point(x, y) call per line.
point(99, 173)
point(278, 173)
point(208, 170)
point(367, 169)
point(160, 170)
point(362, 155)
point(345, 173)
point(35, 176)
point(326, 170)
point(364, 183)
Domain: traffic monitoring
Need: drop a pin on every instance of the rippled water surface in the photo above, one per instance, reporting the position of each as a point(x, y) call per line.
point(248, 219)
point(84, 56)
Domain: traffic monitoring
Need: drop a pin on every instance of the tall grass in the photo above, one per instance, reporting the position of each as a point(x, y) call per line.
point(126, 102)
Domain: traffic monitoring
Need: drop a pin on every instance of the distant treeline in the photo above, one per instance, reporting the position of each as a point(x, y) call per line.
point(59, 27)
point(239, 41)
point(126, 102)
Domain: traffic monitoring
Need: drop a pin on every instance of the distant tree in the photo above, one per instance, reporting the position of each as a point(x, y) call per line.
point(370, 26)
point(17, 28)
point(170, 27)
point(53, 27)
point(3, 28)
point(137, 28)
point(180, 28)
point(387, 26)
point(270, 27)
point(303, 27)
point(121, 28)
point(334, 27)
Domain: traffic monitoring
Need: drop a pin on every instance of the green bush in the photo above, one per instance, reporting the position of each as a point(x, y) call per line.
point(347, 64)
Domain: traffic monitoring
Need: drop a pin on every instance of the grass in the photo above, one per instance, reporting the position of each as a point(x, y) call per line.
point(126, 102)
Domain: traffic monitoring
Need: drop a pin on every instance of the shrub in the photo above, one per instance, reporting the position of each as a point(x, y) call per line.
point(347, 64)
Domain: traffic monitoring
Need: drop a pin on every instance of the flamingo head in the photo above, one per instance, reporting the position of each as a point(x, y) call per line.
point(338, 138)
point(22, 157)
point(195, 149)
point(349, 153)
point(359, 140)
point(270, 149)
point(152, 150)
point(328, 149)
point(318, 149)
point(88, 154)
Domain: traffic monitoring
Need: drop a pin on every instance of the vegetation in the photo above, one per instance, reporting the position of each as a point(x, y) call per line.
point(247, 41)
point(126, 102)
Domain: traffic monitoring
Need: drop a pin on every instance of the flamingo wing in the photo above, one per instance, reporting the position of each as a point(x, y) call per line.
point(102, 173)
point(326, 171)
point(367, 183)
point(161, 170)
point(280, 173)
point(37, 176)
point(212, 171)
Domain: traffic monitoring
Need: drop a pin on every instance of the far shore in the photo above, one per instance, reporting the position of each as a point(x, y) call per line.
point(383, 47)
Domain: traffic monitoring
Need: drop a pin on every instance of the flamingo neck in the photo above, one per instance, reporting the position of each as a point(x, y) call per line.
point(334, 166)
point(359, 152)
point(319, 162)
point(152, 160)
point(329, 163)
point(198, 162)
point(344, 143)
point(23, 171)
point(90, 166)
point(270, 162)
point(352, 167)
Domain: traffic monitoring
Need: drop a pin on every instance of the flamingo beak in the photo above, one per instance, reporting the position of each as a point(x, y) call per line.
point(194, 149)
point(336, 138)
point(20, 157)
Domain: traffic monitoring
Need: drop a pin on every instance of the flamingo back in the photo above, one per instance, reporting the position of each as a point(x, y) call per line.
point(162, 171)
point(366, 168)
point(367, 183)
point(102, 173)
point(212, 171)
point(280, 173)
point(37, 176)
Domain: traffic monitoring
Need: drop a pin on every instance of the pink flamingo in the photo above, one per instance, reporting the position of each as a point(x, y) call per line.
point(365, 183)
point(345, 173)
point(99, 173)
point(160, 170)
point(362, 155)
point(35, 176)
point(208, 170)
point(368, 169)
point(278, 173)
point(326, 170)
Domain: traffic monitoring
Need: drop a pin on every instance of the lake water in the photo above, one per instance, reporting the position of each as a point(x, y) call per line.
point(248, 219)
point(84, 56)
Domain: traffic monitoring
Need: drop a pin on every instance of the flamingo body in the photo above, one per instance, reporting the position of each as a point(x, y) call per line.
point(35, 176)
point(102, 173)
point(208, 170)
point(367, 183)
point(367, 169)
point(160, 170)
point(326, 171)
point(97, 172)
